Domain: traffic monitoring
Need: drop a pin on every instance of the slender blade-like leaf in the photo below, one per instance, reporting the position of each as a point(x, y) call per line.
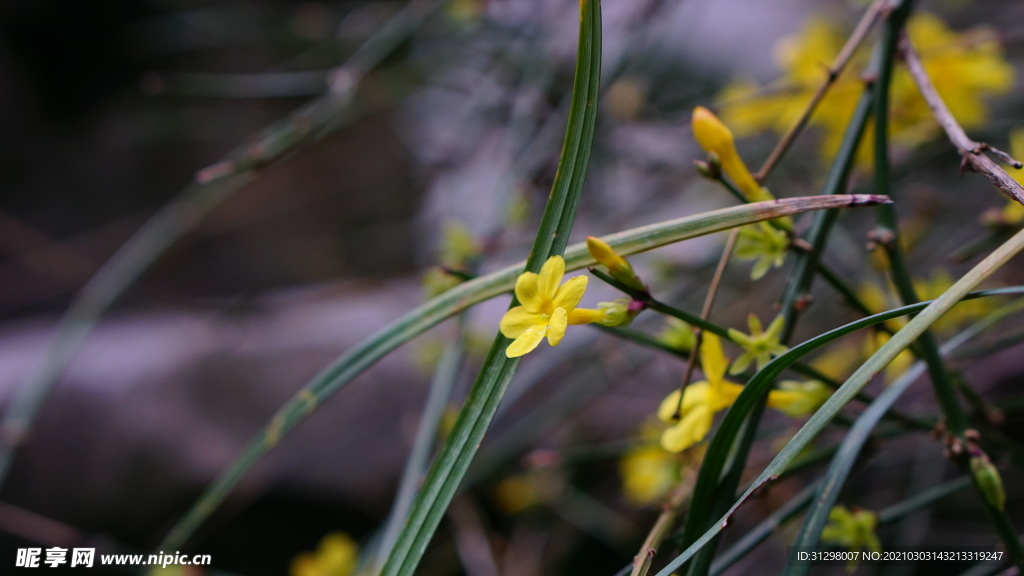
point(419, 320)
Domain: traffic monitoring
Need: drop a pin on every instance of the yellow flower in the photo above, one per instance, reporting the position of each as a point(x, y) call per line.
point(798, 399)
point(648, 472)
point(701, 400)
point(851, 528)
point(691, 421)
point(759, 346)
point(715, 138)
point(966, 68)
point(546, 308)
point(337, 555)
point(765, 244)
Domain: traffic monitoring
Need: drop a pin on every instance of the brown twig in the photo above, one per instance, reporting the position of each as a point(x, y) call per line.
point(973, 153)
point(681, 492)
point(705, 314)
point(833, 72)
point(669, 512)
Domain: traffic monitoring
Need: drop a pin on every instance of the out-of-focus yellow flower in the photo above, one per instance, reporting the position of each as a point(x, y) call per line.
point(701, 400)
point(546, 308)
point(898, 366)
point(1012, 213)
point(521, 492)
point(759, 346)
point(336, 555)
point(839, 360)
point(927, 288)
point(765, 244)
point(691, 420)
point(624, 100)
point(797, 399)
point(966, 68)
point(851, 528)
point(716, 138)
point(648, 472)
point(935, 285)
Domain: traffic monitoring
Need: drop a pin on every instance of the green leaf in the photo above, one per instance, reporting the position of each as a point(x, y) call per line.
point(718, 450)
point(552, 237)
point(839, 470)
point(429, 314)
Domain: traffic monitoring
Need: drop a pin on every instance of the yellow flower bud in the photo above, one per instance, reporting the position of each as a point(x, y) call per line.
point(716, 138)
point(618, 267)
point(604, 254)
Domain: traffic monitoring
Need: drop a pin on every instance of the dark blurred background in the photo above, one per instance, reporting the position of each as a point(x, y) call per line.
point(109, 109)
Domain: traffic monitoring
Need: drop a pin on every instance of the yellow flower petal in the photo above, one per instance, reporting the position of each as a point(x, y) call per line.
point(712, 358)
point(690, 430)
point(569, 294)
point(696, 394)
point(526, 341)
point(585, 316)
point(725, 395)
point(550, 277)
point(528, 292)
point(667, 408)
point(556, 326)
point(518, 320)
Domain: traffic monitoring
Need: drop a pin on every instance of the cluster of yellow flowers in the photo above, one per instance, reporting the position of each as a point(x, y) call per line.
point(548, 306)
point(690, 417)
point(966, 68)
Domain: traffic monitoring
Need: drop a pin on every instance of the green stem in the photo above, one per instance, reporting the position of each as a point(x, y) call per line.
point(356, 360)
point(714, 490)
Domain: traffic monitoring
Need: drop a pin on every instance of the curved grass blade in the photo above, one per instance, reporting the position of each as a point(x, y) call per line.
point(212, 187)
point(476, 415)
point(765, 528)
point(761, 384)
point(839, 470)
point(461, 297)
point(419, 457)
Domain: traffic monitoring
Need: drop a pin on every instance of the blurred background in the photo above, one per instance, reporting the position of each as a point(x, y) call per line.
point(109, 109)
